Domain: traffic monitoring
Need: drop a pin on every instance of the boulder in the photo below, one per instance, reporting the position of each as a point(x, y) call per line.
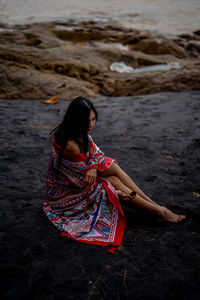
point(190, 36)
point(193, 47)
point(29, 83)
point(197, 32)
point(160, 46)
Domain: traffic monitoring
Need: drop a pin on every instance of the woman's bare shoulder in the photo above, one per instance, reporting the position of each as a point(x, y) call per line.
point(72, 147)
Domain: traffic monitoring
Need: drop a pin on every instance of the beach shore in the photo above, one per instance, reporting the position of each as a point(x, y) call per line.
point(168, 17)
point(155, 138)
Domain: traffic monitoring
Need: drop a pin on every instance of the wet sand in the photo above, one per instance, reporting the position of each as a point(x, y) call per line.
point(155, 138)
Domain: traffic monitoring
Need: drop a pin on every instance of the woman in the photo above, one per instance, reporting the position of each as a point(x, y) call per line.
point(84, 186)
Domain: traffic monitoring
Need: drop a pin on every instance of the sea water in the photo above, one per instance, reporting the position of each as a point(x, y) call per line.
point(165, 16)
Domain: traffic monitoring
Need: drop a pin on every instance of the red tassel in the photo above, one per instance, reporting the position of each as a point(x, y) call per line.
point(112, 250)
point(63, 235)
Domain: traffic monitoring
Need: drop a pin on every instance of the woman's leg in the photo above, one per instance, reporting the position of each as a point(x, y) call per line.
point(115, 170)
point(162, 212)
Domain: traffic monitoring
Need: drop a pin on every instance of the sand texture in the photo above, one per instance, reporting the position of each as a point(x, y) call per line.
point(155, 138)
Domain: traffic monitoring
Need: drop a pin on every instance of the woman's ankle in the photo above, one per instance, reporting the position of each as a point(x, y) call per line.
point(159, 210)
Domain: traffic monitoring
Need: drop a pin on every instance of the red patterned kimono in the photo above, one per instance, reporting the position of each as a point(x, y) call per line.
point(89, 214)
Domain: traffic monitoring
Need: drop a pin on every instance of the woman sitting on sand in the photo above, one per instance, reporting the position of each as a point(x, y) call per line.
point(84, 186)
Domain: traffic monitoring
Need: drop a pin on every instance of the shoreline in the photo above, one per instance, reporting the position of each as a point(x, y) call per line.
point(77, 21)
point(162, 17)
point(154, 31)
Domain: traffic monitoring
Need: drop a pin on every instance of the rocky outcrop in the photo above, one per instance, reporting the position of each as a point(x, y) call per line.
point(116, 85)
point(160, 46)
point(29, 83)
point(43, 60)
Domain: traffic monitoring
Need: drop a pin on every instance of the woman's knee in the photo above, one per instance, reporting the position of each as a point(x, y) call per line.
point(114, 169)
point(111, 171)
point(114, 180)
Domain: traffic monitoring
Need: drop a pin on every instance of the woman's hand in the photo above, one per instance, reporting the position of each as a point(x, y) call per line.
point(90, 177)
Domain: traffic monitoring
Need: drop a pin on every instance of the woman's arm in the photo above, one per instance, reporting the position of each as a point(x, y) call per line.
point(72, 147)
point(91, 174)
point(97, 162)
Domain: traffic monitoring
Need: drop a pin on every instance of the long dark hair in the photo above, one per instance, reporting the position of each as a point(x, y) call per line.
point(74, 125)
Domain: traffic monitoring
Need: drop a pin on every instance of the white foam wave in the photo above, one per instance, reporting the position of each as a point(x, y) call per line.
point(121, 67)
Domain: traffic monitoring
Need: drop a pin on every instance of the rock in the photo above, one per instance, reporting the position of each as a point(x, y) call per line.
point(144, 59)
point(190, 36)
point(29, 83)
point(133, 37)
point(87, 32)
point(133, 58)
point(197, 32)
point(114, 84)
point(47, 61)
point(32, 40)
point(91, 31)
point(39, 61)
point(159, 46)
point(193, 47)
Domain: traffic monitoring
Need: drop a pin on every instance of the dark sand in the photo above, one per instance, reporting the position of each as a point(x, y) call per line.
point(155, 138)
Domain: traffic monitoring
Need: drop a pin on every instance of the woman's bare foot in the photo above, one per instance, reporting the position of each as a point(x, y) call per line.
point(168, 216)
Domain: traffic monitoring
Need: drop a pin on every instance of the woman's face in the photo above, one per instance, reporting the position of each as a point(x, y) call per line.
point(92, 121)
